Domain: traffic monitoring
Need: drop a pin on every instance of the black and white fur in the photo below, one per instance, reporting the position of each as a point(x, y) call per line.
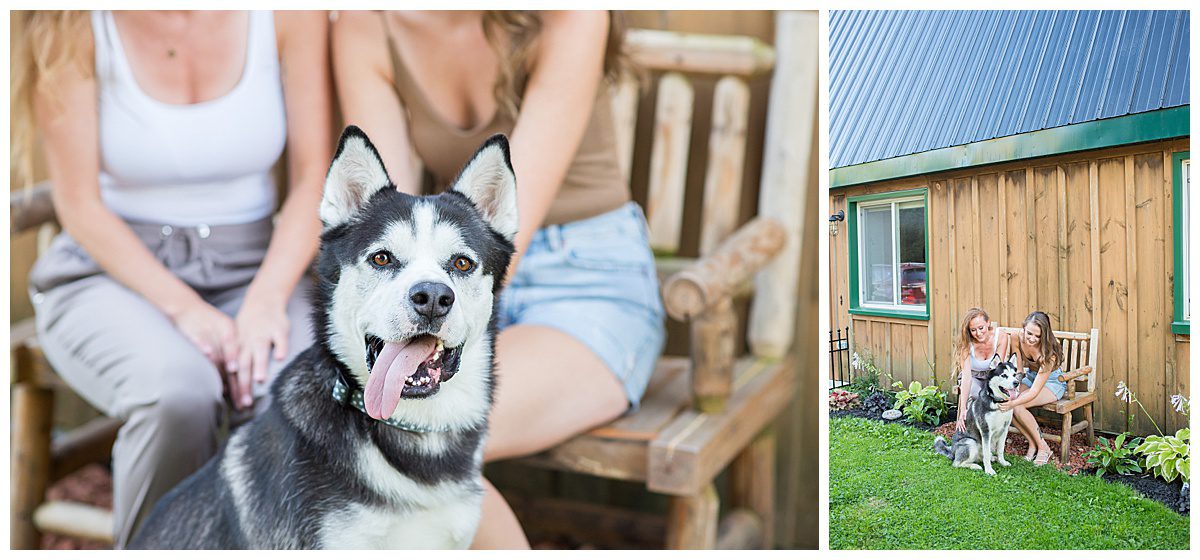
point(987, 425)
point(311, 472)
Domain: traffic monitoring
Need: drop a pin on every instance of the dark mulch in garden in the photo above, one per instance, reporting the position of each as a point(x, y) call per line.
point(1169, 494)
point(860, 413)
point(92, 485)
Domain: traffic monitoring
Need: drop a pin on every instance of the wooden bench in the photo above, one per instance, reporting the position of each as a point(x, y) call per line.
point(700, 414)
point(1080, 353)
point(713, 410)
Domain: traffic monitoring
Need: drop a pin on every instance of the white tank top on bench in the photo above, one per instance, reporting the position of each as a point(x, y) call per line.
point(206, 163)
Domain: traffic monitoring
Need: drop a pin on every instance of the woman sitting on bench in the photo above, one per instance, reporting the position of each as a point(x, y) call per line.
point(1037, 351)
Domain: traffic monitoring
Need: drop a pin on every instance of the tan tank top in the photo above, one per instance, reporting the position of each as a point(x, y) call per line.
point(593, 184)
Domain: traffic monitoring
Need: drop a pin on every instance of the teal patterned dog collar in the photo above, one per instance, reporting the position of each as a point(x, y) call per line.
point(340, 391)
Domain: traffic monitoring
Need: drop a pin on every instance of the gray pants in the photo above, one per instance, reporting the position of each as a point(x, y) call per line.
point(125, 357)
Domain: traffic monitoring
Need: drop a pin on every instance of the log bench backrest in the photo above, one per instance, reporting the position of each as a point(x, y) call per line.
point(671, 58)
point(1079, 350)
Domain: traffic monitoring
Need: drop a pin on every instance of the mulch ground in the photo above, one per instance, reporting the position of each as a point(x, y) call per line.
point(92, 485)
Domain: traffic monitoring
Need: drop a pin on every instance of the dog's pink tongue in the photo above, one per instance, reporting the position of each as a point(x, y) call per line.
point(395, 364)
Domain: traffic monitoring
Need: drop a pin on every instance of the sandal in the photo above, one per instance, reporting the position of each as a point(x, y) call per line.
point(1031, 454)
point(1042, 458)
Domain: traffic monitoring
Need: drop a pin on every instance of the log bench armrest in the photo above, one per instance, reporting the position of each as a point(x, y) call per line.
point(30, 208)
point(1075, 374)
point(715, 277)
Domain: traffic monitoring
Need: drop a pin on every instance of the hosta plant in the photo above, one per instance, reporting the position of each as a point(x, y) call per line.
point(921, 404)
point(1168, 456)
point(1116, 457)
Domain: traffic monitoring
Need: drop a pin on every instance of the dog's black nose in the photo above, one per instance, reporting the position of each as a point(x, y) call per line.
point(432, 299)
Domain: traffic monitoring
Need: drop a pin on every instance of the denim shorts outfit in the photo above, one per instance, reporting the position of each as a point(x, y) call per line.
point(1059, 388)
point(595, 280)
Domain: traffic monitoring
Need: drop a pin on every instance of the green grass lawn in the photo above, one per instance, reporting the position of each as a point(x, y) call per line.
point(888, 489)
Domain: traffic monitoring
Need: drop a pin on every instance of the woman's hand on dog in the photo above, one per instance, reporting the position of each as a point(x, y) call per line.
point(261, 324)
point(961, 424)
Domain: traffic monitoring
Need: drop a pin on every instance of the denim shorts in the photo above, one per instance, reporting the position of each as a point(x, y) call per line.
point(595, 280)
point(1059, 388)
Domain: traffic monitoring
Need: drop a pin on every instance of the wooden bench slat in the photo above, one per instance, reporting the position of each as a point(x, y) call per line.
point(700, 53)
point(668, 393)
point(696, 446)
point(726, 156)
point(624, 111)
point(668, 161)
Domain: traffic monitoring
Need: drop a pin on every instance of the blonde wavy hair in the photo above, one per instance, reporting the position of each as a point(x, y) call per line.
point(47, 47)
point(513, 35)
point(962, 342)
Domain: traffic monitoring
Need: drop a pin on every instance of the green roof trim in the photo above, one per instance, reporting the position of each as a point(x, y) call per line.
point(1150, 126)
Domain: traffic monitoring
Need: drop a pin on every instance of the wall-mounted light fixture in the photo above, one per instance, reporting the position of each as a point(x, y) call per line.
point(833, 221)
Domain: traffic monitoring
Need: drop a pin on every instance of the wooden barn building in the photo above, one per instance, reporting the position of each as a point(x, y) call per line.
point(1014, 161)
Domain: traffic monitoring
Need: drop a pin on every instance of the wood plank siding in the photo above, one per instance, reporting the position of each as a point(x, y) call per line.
point(1086, 237)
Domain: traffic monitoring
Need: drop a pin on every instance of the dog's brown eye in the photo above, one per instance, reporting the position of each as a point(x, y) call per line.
point(463, 264)
point(381, 258)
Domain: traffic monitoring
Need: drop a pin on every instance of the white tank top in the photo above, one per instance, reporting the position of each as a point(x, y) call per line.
point(190, 164)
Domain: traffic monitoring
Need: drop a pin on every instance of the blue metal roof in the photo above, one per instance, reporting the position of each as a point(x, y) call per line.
point(903, 82)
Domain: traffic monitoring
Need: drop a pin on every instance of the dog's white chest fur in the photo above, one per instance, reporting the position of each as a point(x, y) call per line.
point(998, 421)
point(362, 527)
point(418, 516)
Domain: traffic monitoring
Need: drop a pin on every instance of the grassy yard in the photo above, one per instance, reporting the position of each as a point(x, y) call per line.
point(888, 489)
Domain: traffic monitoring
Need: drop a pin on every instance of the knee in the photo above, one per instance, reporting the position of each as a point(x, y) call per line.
point(180, 399)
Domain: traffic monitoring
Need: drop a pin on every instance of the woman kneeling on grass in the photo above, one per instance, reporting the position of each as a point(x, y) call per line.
point(977, 343)
point(1037, 350)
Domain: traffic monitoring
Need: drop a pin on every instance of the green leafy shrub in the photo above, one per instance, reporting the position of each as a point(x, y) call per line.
point(1117, 457)
point(843, 400)
point(921, 404)
point(1168, 456)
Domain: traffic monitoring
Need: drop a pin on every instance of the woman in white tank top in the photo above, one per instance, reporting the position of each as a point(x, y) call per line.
point(977, 343)
point(171, 291)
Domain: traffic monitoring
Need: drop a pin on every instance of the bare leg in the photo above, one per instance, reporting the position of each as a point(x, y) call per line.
point(1022, 417)
point(1029, 438)
point(542, 373)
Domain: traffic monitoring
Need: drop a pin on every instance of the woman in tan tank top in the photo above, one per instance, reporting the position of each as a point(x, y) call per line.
point(581, 320)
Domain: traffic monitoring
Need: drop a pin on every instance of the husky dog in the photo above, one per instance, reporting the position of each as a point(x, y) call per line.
point(374, 438)
point(987, 425)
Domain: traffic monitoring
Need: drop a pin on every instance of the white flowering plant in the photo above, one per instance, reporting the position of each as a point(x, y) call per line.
point(1166, 456)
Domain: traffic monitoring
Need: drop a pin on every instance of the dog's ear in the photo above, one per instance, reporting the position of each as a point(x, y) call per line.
point(488, 181)
point(355, 175)
point(995, 361)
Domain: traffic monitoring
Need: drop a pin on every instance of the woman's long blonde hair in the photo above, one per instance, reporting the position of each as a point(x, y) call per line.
point(513, 35)
point(962, 342)
point(47, 46)
point(1048, 346)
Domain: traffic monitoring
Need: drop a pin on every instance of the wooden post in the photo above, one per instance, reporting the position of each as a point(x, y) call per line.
point(1091, 423)
point(1066, 436)
point(692, 521)
point(790, 115)
point(712, 356)
point(752, 482)
point(31, 417)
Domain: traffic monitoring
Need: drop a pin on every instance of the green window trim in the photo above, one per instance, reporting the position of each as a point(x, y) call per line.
point(856, 308)
point(1180, 326)
point(1161, 124)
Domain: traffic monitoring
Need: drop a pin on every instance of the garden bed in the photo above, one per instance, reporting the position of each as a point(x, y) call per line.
point(888, 489)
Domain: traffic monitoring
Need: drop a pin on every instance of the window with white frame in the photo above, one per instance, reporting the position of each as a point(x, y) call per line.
point(892, 262)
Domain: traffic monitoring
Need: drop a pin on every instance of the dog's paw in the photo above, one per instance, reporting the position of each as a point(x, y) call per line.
point(1003, 462)
point(989, 471)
